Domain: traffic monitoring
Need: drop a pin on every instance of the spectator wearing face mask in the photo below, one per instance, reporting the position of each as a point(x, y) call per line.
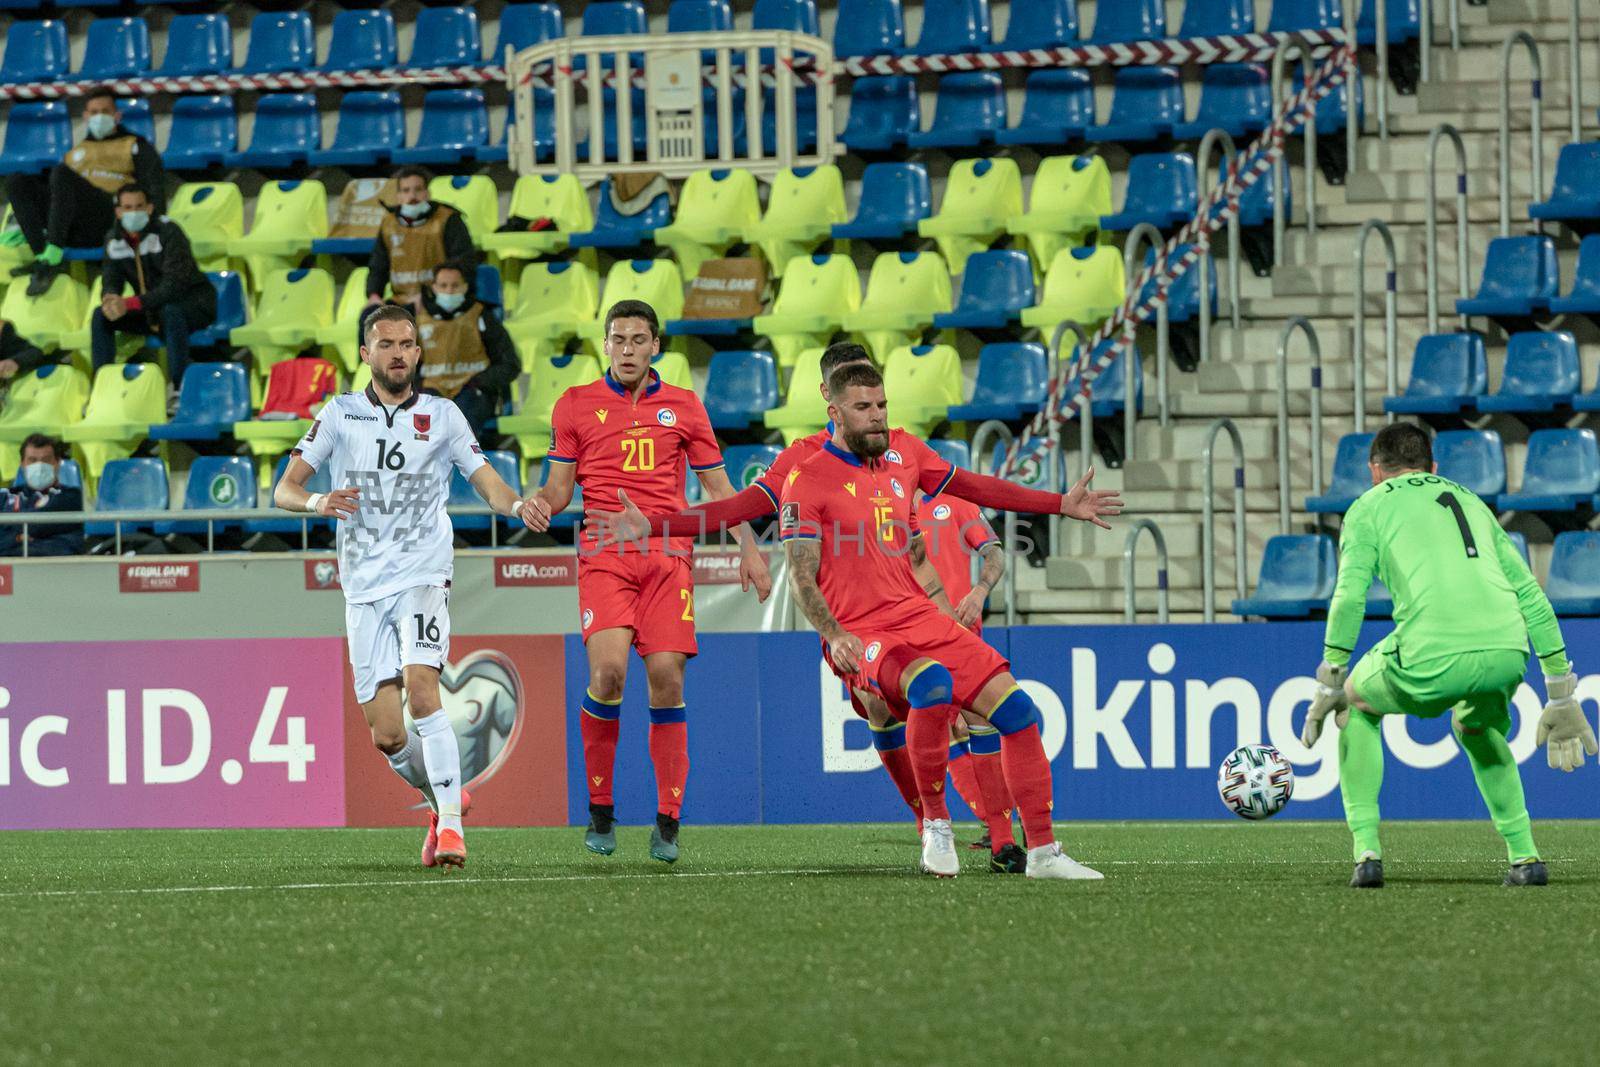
point(414, 236)
point(171, 297)
point(72, 205)
point(466, 354)
point(38, 489)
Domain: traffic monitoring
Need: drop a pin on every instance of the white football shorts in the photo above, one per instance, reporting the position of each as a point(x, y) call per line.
point(410, 628)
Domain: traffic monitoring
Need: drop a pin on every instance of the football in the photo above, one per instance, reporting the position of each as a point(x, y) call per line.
point(1255, 781)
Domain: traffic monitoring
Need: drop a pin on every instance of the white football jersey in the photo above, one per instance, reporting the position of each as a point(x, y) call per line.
point(400, 459)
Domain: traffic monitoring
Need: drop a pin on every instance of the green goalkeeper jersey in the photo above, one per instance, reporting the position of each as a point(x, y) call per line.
point(1459, 584)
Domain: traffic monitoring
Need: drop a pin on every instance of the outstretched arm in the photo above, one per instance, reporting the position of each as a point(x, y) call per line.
point(630, 524)
point(752, 564)
point(1080, 502)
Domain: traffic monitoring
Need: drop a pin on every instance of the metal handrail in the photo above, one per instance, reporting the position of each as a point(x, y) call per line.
point(1302, 324)
point(1444, 129)
point(1390, 326)
point(1279, 220)
point(1380, 28)
point(1512, 40)
point(1003, 438)
point(1208, 534)
point(1574, 77)
point(1085, 425)
point(1145, 232)
point(1129, 610)
point(1207, 264)
point(1426, 43)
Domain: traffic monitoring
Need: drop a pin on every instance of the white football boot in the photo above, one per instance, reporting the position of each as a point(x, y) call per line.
point(939, 849)
point(1048, 861)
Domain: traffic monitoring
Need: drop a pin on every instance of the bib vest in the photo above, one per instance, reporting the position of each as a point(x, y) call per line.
point(413, 250)
point(452, 349)
point(107, 164)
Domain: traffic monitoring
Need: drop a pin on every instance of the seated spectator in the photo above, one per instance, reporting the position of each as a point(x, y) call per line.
point(72, 205)
point(38, 488)
point(415, 235)
point(466, 354)
point(171, 297)
point(17, 356)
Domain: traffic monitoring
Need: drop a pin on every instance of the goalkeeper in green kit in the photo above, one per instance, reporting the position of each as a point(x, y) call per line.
point(1465, 607)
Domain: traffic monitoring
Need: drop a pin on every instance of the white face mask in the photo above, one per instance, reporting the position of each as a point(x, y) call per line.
point(414, 211)
point(449, 301)
point(135, 221)
point(39, 475)
point(101, 125)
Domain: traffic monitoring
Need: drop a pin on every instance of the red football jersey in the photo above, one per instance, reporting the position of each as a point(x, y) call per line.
point(295, 386)
point(954, 531)
point(639, 445)
point(922, 466)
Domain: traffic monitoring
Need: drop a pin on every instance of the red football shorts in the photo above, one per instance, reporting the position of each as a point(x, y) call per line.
point(650, 593)
point(972, 663)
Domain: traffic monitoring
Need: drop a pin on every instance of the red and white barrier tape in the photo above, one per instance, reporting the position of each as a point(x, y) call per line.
point(390, 78)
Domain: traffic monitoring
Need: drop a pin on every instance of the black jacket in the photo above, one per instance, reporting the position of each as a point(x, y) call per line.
point(162, 271)
point(62, 539)
point(504, 363)
point(14, 346)
point(457, 245)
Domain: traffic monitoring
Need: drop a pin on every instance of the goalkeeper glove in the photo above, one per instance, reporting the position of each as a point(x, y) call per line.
point(1330, 697)
point(1562, 727)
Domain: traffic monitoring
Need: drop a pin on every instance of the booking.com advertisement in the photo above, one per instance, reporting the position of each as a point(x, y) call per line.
point(266, 733)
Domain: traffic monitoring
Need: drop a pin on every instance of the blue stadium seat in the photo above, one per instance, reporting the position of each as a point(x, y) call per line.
point(883, 113)
point(740, 388)
point(894, 198)
point(1291, 15)
point(1255, 206)
point(449, 37)
point(1474, 459)
point(1574, 583)
point(371, 126)
point(1012, 378)
point(321, 481)
point(1129, 20)
point(525, 25)
point(215, 482)
point(130, 485)
point(1576, 194)
point(611, 18)
point(954, 452)
point(1584, 299)
point(1541, 374)
point(711, 16)
point(1449, 372)
point(1057, 109)
point(798, 15)
point(280, 41)
point(1350, 478)
point(1183, 298)
point(198, 44)
point(952, 26)
point(1161, 191)
point(868, 28)
point(970, 109)
point(506, 465)
point(1404, 18)
point(212, 398)
point(1520, 277)
point(204, 130)
point(1147, 104)
point(614, 230)
point(1041, 24)
point(115, 48)
point(1298, 572)
point(1235, 97)
point(454, 123)
point(287, 131)
point(38, 134)
point(35, 51)
point(363, 40)
point(995, 287)
point(1109, 390)
point(1216, 18)
point(231, 311)
point(1333, 112)
point(1561, 473)
point(486, 282)
point(746, 463)
point(699, 16)
point(136, 117)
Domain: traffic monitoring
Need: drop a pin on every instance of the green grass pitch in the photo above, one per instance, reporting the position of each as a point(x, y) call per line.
point(1207, 942)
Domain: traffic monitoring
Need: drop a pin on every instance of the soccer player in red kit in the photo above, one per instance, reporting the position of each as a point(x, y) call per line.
point(630, 431)
point(848, 523)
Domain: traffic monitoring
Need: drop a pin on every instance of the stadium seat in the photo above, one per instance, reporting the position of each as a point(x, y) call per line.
point(1449, 372)
point(995, 287)
point(35, 51)
point(215, 483)
point(1147, 104)
point(115, 48)
point(894, 199)
point(741, 387)
point(1475, 459)
point(525, 25)
point(127, 399)
point(1083, 285)
point(1183, 297)
point(130, 485)
point(293, 305)
point(970, 109)
point(342, 333)
point(198, 44)
point(1520, 278)
point(714, 209)
point(746, 463)
point(1561, 473)
point(904, 292)
point(1011, 384)
point(1057, 109)
point(1068, 198)
point(287, 130)
point(817, 292)
point(1351, 477)
point(1333, 111)
point(289, 216)
point(266, 437)
point(797, 15)
point(1234, 97)
point(371, 126)
point(612, 229)
point(957, 453)
point(363, 40)
point(1255, 206)
point(212, 216)
point(475, 196)
point(925, 382)
point(43, 319)
point(455, 123)
point(1217, 18)
point(548, 377)
point(1161, 191)
point(1129, 20)
point(1584, 299)
point(211, 399)
point(204, 130)
point(979, 196)
point(1041, 24)
point(1575, 197)
point(1289, 16)
point(137, 118)
point(612, 18)
point(1403, 18)
point(553, 298)
point(321, 481)
point(462, 494)
point(803, 410)
point(280, 42)
point(803, 207)
point(1574, 583)
point(658, 282)
point(1298, 572)
point(557, 197)
point(1109, 391)
point(868, 28)
point(38, 134)
point(883, 113)
point(448, 37)
point(673, 369)
point(1541, 374)
point(46, 400)
point(232, 310)
point(951, 27)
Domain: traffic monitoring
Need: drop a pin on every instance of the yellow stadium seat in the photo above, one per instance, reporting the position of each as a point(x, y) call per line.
point(127, 399)
point(289, 216)
point(657, 282)
point(548, 378)
point(47, 400)
point(979, 195)
point(340, 334)
point(557, 197)
point(553, 300)
point(803, 410)
point(674, 369)
point(802, 207)
point(211, 215)
point(44, 320)
point(904, 292)
point(1068, 196)
point(1083, 285)
point(474, 196)
point(361, 378)
point(267, 439)
point(294, 305)
point(714, 208)
point(817, 292)
point(922, 384)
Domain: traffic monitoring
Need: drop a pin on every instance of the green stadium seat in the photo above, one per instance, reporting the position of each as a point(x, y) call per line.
point(474, 196)
point(803, 410)
point(673, 367)
point(802, 207)
point(125, 401)
point(817, 292)
point(289, 216)
point(904, 292)
point(293, 306)
point(657, 282)
point(342, 334)
point(548, 378)
point(557, 197)
point(979, 196)
point(1068, 196)
point(715, 208)
point(44, 319)
point(211, 215)
point(47, 400)
point(923, 383)
point(553, 300)
point(1083, 285)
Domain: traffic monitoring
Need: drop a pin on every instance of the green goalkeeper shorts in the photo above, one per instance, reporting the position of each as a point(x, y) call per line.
point(1481, 684)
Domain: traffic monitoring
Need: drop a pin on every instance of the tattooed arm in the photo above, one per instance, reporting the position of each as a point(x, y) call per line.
point(927, 576)
point(805, 560)
point(970, 610)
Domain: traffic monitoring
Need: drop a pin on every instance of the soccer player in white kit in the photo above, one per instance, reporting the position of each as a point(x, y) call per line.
point(392, 449)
